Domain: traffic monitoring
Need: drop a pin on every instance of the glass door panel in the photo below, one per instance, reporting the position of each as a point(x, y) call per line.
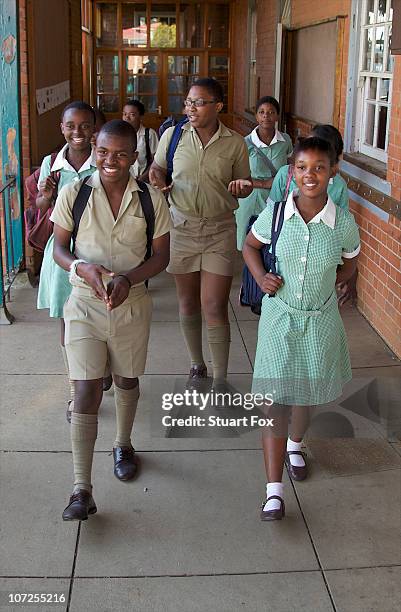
point(218, 69)
point(191, 18)
point(142, 80)
point(107, 83)
point(182, 70)
point(106, 25)
point(163, 25)
point(217, 26)
point(134, 25)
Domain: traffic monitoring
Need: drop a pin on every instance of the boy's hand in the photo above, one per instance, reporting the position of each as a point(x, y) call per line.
point(48, 188)
point(155, 181)
point(270, 283)
point(117, 291)
point(241, 188)
point(92, 275)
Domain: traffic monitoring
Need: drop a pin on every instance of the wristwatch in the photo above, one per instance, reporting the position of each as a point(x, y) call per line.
point(73, 276)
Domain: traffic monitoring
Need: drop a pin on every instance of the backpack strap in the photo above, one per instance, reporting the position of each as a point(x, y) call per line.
point(290, 174)
point(78, 208)
point(277, 224)
point(173, 144)
point(147, 145)
point(149, 214)
point(267, 162)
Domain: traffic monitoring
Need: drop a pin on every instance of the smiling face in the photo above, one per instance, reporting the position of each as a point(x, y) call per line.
point(78, 127)
point(267, 116)
point(114, 157)
point(202, 116)
point(132, 115)
point(312, 172)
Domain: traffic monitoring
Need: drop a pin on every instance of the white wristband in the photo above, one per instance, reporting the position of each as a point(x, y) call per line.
point(73, 276)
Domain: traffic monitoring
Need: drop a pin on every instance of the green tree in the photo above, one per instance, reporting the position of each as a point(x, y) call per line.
point(164, 36)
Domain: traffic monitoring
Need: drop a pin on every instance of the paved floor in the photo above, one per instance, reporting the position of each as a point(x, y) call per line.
point(186, 535)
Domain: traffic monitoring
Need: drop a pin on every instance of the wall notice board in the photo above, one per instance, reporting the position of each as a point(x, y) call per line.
point(313, 72)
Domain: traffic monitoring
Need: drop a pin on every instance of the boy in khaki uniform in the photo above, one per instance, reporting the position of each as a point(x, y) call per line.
point(109, 311)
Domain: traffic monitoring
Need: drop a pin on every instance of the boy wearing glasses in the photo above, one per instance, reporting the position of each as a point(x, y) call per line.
point(210, 171)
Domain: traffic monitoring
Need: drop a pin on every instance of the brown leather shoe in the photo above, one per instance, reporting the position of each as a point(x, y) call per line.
point(81, 504)
point(126, 463)
point(296, 473)
point(273, 515)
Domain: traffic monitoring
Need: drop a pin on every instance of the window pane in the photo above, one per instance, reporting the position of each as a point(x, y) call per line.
point(384, 90)
point(142, 79)
point(217, 27)
point(106, 25)
point(369, 123)
point(107, 73)
point(370, 11)
point(379, 50)
point(218, 65)
point(191, 25)
point(382, 10)
point(372, 89)
point(134, 25)
point(367, 49)
point(390, 58)
point(382, 125)
point(163, 26)
point(182, 71)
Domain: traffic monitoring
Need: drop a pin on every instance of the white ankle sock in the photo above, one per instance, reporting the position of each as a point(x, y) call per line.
point(296, 460)
point(273, 488)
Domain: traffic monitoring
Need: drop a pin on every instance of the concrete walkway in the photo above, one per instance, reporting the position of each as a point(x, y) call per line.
point(186, 535)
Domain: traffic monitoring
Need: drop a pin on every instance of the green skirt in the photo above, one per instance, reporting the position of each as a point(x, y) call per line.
point(302, 356)
point(54, 284)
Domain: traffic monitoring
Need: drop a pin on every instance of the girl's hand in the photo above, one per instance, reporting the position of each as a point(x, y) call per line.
point(270, 283)
point(241, 188)
point(48, 188)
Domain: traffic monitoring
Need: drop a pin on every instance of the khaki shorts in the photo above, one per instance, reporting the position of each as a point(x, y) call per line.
point(93, 334)
point(202, 244)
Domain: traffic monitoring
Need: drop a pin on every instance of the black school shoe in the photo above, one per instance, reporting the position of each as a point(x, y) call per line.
point(273, 515)
point(81, 504)
point(126, 462)
point(296, 473)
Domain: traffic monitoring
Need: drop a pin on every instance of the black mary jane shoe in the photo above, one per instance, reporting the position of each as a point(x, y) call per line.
point(273, 515)
point(81, 504)
point(126, 462)
point(296, 473)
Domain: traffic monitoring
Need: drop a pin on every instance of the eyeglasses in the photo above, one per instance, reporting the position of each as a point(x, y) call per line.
point(198, 102)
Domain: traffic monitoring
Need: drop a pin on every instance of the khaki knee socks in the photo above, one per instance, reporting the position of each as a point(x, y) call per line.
point(71, 382)
point(219, 344)
point(126, 402)
point(83, 438)
point(191, 326)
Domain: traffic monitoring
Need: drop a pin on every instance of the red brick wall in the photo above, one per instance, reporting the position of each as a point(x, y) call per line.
point(394, 148)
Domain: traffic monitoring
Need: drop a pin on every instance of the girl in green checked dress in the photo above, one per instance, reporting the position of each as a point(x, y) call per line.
point(268, 150)
point(302, 355)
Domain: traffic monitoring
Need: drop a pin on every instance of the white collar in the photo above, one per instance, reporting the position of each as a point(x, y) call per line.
point(278, 137)
point(141, 131)
point(61, 161)
point(327, 214)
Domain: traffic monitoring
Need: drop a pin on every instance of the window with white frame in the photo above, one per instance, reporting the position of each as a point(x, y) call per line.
point(252, 89)
point(375, 78)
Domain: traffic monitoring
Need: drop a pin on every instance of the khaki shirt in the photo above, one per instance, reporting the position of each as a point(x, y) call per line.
point(117, 244)
point(201, 174)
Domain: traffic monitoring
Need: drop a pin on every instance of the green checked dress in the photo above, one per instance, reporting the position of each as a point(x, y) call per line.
point(302, 355)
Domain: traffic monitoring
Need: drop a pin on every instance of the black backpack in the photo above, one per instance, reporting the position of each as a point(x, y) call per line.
point(146, 202)
point(250, 293)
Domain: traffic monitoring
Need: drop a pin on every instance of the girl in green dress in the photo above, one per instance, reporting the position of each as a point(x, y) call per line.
point(74, 162)
point(302, 356)
point(268, 150)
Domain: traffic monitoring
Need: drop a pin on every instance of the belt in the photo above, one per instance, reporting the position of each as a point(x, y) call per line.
point(307, 313)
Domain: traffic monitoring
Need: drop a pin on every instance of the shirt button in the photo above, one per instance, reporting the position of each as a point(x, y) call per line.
point(299, 296)
point(301, 277)
point(303, 259)
point(306, 237)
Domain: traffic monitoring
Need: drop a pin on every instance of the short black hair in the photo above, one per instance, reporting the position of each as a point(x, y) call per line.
point(79, 105)
point(268, 100)
point(213, 87)
point(314, 143)
point(138, 104)
point(118, 127)
point(332, 135)
point(99, 114)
